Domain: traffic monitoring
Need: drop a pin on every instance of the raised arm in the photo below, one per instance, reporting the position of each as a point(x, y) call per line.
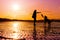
point(38, 12)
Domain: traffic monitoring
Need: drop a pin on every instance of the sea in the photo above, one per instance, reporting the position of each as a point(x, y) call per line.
point(22, 29)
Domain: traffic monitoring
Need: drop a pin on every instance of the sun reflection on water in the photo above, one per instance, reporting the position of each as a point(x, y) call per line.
point(15, 27)
point(15, 35)
point(15, 24)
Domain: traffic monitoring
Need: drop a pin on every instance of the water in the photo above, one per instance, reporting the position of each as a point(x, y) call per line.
point(20, 29)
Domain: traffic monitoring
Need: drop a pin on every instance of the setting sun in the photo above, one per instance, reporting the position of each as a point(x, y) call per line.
point(15, 7)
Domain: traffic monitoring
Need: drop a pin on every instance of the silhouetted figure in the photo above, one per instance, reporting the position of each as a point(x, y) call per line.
point(34, 17)
point(46, 20)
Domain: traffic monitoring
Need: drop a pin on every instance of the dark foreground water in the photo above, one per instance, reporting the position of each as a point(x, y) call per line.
point(19, 30)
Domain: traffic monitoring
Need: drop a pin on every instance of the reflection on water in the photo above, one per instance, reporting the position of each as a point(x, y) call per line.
point(14, 29)
point(15, 24)
point(20, 29)
point(15, 35)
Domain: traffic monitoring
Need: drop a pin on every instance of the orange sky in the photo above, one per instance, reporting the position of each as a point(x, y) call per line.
point(23, 9)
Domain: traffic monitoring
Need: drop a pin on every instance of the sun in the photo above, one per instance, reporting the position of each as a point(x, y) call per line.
point(15, 7)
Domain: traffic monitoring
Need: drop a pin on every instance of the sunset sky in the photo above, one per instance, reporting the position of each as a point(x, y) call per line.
point(23, 9)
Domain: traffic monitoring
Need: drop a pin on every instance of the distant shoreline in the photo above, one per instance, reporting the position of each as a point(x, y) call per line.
point(5, 19)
